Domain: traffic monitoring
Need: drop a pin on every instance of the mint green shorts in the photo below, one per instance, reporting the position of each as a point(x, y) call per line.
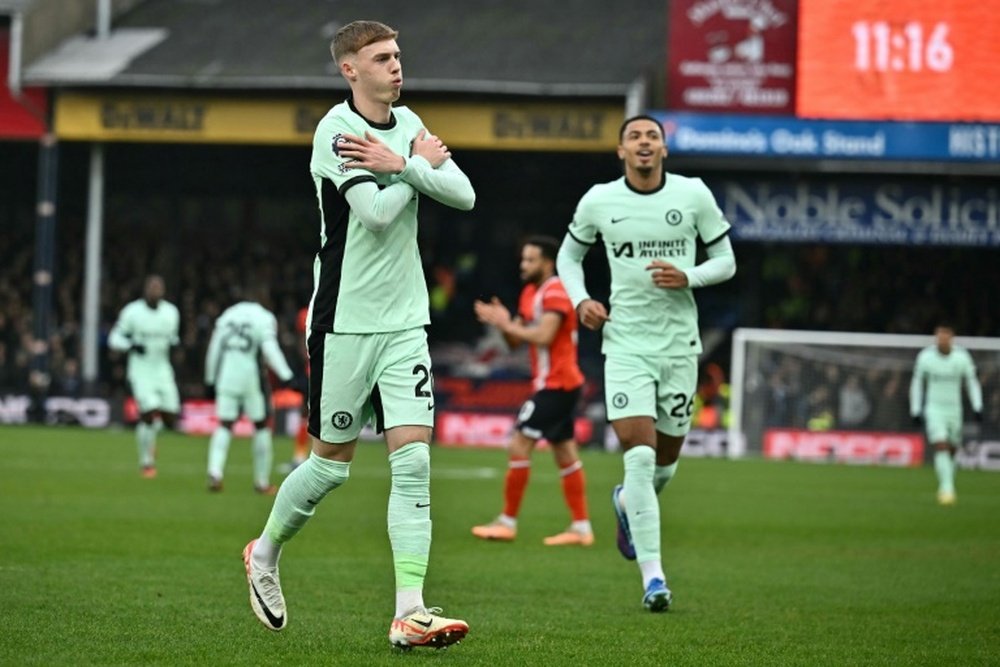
point(254, 403)
point(943, 427)
point(384, 378)
point(659, 387)
point(158, 394)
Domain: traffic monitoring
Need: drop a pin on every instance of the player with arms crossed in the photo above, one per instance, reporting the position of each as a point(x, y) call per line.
point(147, 329)
point(650, 221)
point(368, 352)
point(943, 367)
point(545, 321)
point(242, 333)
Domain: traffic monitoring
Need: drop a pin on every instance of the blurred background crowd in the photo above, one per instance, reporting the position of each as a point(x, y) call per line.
point(877, 289)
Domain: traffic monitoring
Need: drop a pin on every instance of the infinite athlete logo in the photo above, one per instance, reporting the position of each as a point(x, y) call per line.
point(674, 217)
point(342, 420)
point(619, 400)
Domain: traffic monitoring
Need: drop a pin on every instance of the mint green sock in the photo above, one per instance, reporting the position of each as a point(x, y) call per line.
point(145, 441)
point(263, 457)
point(641, 504)
point(944, 466)
point(300, 493)
point(662, 476)
point(218, 451)
point(409, 516)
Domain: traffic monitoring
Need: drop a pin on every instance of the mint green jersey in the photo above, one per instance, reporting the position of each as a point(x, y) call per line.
point(943, 375)
point(364, 281)
point(637, 228)
point(154, 330)
point(243, 333)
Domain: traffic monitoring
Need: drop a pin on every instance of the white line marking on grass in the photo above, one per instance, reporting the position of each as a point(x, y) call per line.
point(464, 473)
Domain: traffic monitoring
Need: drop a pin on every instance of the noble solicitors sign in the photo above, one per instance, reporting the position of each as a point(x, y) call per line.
point(904, 212)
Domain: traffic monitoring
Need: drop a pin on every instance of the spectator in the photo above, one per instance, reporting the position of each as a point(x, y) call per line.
point(853, 407)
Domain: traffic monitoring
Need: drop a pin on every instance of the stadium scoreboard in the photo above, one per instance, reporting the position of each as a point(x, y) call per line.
point(922, 60)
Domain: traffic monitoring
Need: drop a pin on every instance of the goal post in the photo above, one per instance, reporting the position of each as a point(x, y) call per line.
point(831, 394)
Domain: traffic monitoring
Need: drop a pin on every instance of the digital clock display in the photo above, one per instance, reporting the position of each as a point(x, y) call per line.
point(899, 60)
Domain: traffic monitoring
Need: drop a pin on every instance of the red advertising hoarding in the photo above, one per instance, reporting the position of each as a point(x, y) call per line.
point(858, 447)
point(732, 55)
point(480, 429)
point(16, 121)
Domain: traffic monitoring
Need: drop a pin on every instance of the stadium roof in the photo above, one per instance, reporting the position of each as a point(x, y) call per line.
point(573, 47)
point(7, 6)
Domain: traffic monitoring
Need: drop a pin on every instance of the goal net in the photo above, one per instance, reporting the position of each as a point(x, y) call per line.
point(834, 396)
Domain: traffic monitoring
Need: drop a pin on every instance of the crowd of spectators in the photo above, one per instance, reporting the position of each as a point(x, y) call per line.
point(879, 289)
point(205, 260)
point(875, 289)
point(202, 278)
point(826, 388)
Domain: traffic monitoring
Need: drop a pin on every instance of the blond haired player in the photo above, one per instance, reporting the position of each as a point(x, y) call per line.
point(371, 163)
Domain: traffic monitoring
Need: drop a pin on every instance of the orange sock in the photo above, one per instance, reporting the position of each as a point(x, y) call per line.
point(518, 472)
point(574, 485)
point(301, 452)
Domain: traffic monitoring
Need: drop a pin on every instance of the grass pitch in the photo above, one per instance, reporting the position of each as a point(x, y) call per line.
point(770, 563)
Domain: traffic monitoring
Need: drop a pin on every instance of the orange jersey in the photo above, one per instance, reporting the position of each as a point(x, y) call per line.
point(300, 327)
point(554, 366)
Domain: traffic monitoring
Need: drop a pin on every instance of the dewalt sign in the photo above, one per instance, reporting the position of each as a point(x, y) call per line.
point(153, 117)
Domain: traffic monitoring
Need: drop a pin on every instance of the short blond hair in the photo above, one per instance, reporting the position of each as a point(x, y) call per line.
point(357, 35)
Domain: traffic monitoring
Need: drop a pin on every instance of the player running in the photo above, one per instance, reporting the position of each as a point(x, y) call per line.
point(943, 367)
point(147, 329)
point(545, 321)
point(242, 333)
point(651, 221)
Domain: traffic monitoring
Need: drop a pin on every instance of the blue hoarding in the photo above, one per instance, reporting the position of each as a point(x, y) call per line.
point(780, 136)
point(861, 210)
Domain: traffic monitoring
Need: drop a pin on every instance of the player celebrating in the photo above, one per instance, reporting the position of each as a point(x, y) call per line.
point(943, 367)
point(242, 333)
point(651, 221)
point(368, 351)
point(147, 329)
point(547, 322)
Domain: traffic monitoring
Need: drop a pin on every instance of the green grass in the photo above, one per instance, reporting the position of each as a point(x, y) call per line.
point(770, 563)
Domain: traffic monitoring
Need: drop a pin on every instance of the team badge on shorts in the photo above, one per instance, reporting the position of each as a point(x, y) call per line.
point(619, 400)
point(342, 420)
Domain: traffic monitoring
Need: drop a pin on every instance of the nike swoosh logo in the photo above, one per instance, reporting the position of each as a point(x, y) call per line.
point(276, 621)
point(424, 624)
point(423, 506)
point(615, 221)
point(430, 406)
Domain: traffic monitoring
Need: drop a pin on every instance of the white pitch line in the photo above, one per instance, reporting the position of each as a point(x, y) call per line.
point(464, 473)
